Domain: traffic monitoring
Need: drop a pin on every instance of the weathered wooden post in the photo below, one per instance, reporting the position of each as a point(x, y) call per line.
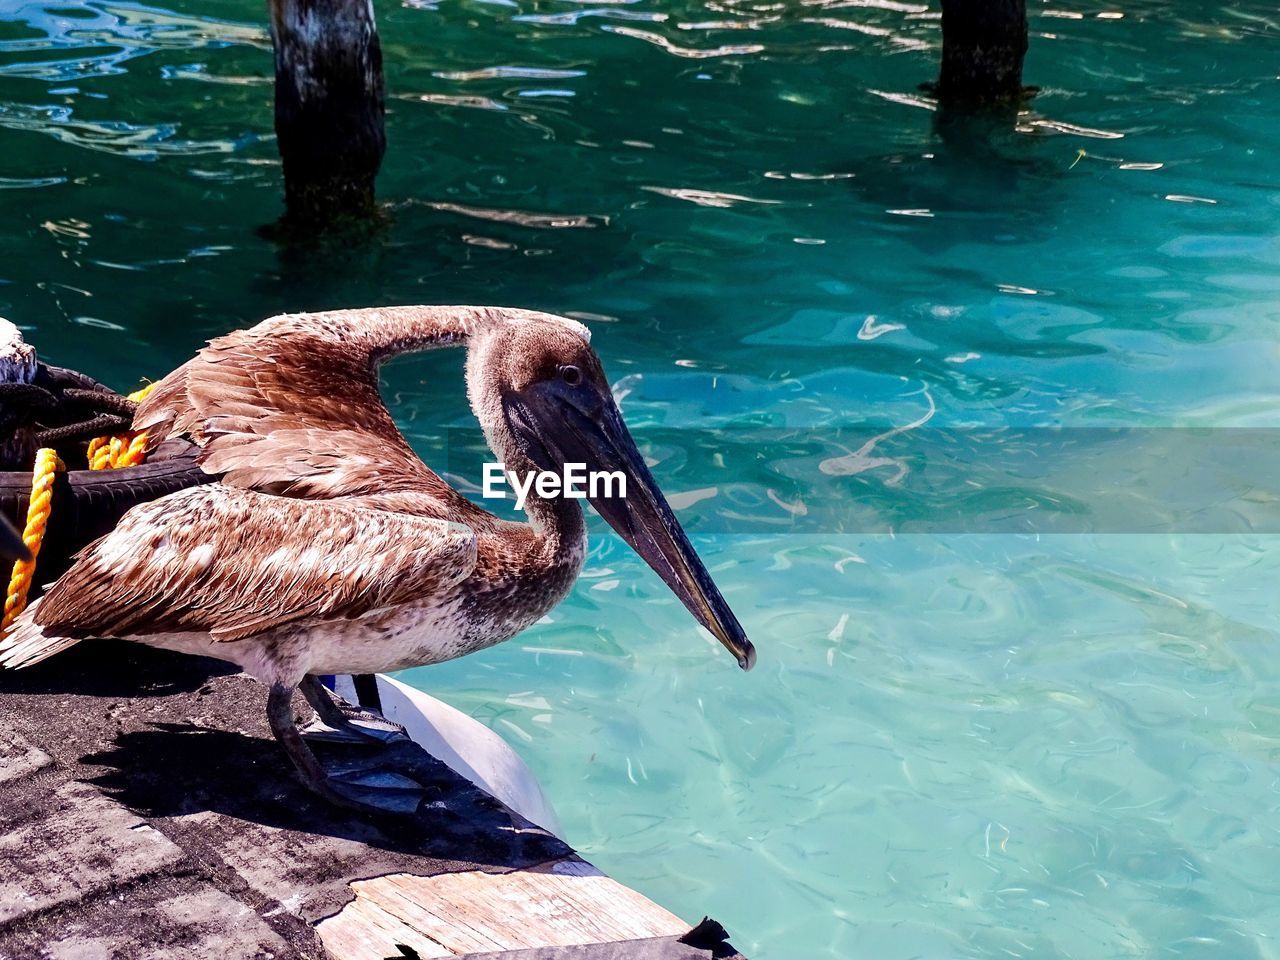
point(329, 108)
point(983, 45)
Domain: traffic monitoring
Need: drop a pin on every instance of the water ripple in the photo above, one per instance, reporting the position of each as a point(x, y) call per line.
point(707, 198)
point(141, 141)
point(690, 53)
point(103, 36)
point(1028, 743)
point(522, 218)
point(510, 72)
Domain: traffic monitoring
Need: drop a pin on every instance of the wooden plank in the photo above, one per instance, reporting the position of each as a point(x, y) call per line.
point(367, 932)
point(154, 919)
point(18, 757)
point(117, 847)
point(206, 845)
point(565, 903)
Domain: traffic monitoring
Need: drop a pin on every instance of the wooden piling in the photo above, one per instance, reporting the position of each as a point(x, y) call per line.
point(983, 46)
point(329, 104)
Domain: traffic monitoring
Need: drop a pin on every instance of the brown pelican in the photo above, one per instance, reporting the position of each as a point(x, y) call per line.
point(329, 547)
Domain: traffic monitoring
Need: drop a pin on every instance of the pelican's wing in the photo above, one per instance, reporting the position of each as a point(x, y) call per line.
point(235, 563)
point(292, 405)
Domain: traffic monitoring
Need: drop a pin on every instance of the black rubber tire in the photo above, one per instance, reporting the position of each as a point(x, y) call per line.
point(89, 503)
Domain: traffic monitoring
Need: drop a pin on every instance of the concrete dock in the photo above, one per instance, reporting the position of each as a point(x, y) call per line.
point(146, 814)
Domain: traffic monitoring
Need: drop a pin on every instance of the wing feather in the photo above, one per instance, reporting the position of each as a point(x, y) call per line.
point(235, 563)
point(291, 406)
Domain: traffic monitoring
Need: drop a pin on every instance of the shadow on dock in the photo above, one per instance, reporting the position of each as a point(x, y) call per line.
point(146, 812)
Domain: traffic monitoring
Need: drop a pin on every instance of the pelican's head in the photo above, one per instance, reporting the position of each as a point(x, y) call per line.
point(542, 396)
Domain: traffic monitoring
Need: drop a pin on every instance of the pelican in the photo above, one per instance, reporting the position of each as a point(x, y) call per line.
point(329, 547)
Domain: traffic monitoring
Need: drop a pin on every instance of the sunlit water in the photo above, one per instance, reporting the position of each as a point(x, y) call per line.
point(956, 744)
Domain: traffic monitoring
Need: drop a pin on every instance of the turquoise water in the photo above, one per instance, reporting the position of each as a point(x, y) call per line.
point(1010, 742)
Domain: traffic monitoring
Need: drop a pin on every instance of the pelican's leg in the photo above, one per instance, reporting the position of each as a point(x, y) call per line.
point(342, 722)
point(366, 788)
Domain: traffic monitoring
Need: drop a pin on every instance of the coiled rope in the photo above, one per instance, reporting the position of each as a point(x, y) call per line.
point(105, 453)
point(47, 466)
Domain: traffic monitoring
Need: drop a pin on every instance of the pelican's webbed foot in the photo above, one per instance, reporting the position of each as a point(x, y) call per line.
point(340, 722)
point(367, 785)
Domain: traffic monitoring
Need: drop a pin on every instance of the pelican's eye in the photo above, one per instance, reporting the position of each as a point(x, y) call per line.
point(571, 374)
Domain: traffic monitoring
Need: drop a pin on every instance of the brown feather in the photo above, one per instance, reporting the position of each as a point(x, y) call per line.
point(235, 563)
point(291, 406)
point(362, 532)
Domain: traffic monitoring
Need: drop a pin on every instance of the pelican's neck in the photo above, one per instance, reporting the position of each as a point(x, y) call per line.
point(556, 521)
point(559, 524)
point(388, 331)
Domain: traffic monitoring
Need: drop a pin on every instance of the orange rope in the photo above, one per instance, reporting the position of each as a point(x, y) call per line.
point(110, 453)
point(125, 450)
point(122, 450)
point(47, 466)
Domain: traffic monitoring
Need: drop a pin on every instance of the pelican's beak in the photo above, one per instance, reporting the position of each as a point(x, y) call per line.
point(643, 518)
point(11, 545)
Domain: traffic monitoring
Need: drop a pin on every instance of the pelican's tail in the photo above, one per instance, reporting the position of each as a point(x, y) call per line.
point(26, 643)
